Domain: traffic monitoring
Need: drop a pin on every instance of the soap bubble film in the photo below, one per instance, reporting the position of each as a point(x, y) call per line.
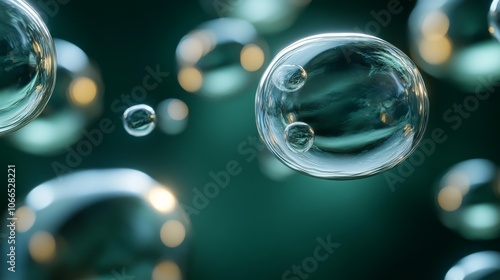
point(341, 106)
point(139, 120)
point(478, 266)
point(27, 65)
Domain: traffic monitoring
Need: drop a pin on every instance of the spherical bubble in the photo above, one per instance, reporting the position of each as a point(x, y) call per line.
point(139, 120)
point(267, 16)
point(27, 65)
point(220, 58)
point(468, 199)
point(172, 116)
point(289, 77)
point(299, 137)
point(75, 102)
point(358, 106)
point(478, 266)
point(449, 40)
point(135, 224)
point(494, 19)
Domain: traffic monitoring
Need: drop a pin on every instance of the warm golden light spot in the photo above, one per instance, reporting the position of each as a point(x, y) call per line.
point(177, 110)
point(435, 25)
point(82, 91)
point(166, 270)
point(450, 198)
point(173, 233)
point(491, 29)
point(190, 79)
point(161, 199)
point(459, 180)
point(42, 247)
point(25, 218)
point(190, 50)
point(435, 51)
point(252, 57)
point(408, 129)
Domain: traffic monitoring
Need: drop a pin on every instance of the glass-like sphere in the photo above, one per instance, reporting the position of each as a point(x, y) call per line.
point(173, 115)
point(76, 101)
point(139, 120)
point(468, 199)
point(27, 65)
point(341, 106)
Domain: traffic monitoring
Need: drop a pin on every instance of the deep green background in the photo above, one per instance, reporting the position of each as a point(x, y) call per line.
point(258, 228)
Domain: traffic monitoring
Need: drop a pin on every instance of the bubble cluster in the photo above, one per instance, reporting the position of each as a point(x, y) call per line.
point(341, 106)
point(139, 120)
point(27, 65)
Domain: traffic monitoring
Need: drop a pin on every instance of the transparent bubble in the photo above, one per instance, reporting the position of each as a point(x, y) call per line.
point(27, 65)
point(220, 58)
point(75, 102)
point(139, 120)
point(172, 116)
point(468, 199)
point(289, 77)
point(478, 266)
point(494, 19)
point(135, 223)
point(268, 16)
point(299, 137)
point(449, 39)
point(363, 106)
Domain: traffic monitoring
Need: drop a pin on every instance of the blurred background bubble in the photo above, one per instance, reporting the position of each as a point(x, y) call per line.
point(220, 58)
point(268, 16)
point(478, 266)
point(98, 223)
point(173, 115)
point(468, 199)
point(27, 65)
point(77, 100)
point(450, 39)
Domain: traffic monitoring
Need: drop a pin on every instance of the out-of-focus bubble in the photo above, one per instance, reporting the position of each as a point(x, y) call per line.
point(272, 167)
point(449, 39)
point(341, 106)
point(172, 116)
point(478, 266)
point(494, 19)
point(268, 16)
point(139, 120)
point(220, 58)
point(27, 65)
point(468, 199)
point(76, 101)
point(136, 225)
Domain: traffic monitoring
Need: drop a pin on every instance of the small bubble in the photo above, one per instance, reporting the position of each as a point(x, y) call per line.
point(139, 120)
point(299, 137)
point(289, 77)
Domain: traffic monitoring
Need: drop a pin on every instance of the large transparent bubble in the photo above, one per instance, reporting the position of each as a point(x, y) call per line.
point(100, 224)
point(27, 65)
point(341, 106)
point(468, 199)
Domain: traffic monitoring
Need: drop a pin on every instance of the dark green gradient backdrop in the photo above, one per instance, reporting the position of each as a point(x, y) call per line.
point(258, 228)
